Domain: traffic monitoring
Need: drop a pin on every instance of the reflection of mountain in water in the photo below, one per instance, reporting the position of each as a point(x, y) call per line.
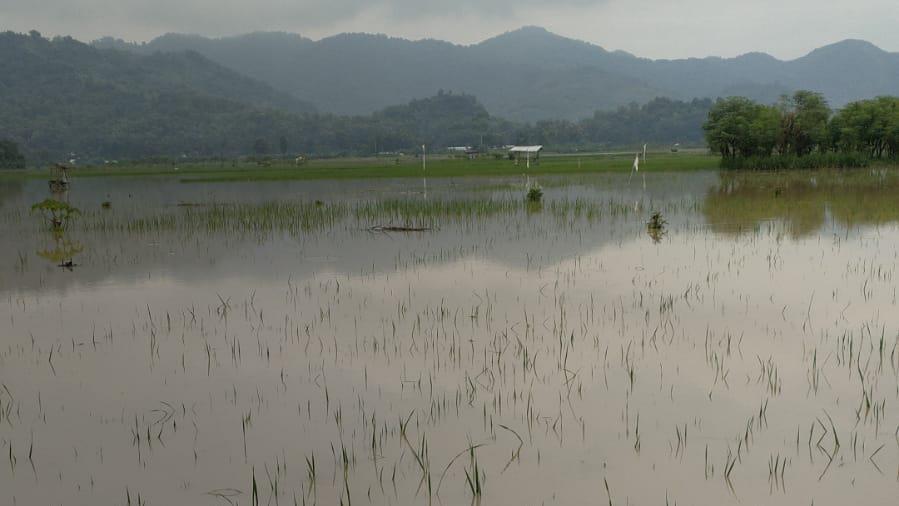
point(803, 203)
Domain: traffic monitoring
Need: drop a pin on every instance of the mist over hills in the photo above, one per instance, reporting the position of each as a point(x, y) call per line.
point(278, 93)
point(62, 95)
point(525, 75)
point(64, 99)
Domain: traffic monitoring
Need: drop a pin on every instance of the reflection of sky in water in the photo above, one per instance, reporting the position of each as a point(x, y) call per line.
point(436, 325)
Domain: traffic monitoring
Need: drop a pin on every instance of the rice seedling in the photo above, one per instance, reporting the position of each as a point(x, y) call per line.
point(362, 333)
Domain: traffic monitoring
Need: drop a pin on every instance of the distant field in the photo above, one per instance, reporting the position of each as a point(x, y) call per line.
point(352, 168)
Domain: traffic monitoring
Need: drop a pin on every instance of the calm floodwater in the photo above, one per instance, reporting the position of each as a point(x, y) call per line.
point(749, 355)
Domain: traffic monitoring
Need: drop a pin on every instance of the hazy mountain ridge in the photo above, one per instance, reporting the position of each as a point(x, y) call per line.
point(527, 74)
point(32, 61)
point(61, 96)
point(63, 99)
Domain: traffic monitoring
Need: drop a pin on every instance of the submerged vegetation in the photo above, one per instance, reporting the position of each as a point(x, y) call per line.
point(57, 215)
point(747, 354)
point(296, 218)
point(655, 227)
point(534, 193)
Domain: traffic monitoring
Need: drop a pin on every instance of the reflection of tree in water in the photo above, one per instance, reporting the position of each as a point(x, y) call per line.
point(58, 215)
point(871, 203)
point(801, 200)
point(63, 251)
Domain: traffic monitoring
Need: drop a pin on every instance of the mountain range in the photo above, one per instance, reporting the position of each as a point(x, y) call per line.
point(61, 95)
point(276, 93)
point(526, 75)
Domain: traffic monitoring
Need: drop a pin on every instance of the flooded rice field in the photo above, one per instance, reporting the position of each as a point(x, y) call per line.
point(273, 343)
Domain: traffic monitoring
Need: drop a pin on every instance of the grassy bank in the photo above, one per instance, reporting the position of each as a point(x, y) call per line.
point(355, 168)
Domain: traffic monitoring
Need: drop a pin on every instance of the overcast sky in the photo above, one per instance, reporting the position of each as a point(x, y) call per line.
point(652, 28)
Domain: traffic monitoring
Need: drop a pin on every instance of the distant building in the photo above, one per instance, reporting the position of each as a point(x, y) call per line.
point(529, 153)
point(468, 151)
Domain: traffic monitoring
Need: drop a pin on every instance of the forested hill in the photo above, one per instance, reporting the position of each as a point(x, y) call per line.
point(62, 97)
point(528, 74)
point(36, 66)
point(61, 94)
point(360, 73)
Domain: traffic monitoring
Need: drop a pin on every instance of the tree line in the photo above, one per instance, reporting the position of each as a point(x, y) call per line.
point(64, 100)
point(98, 125)
point(801, 129)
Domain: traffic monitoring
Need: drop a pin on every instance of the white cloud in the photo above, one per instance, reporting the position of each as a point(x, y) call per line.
point(654, 28)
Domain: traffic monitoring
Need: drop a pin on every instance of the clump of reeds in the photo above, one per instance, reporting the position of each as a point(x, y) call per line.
point(534, 194)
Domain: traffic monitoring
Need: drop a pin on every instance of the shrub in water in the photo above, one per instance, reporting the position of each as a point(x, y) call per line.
point(535, 194)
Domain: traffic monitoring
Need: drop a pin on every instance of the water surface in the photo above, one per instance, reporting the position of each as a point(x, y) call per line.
point(747, 354)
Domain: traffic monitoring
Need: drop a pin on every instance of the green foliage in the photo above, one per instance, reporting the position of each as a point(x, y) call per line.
point(535, 194)
point(804, 122)
point(870, 126)
point(791, 161)
point(63, 97)
point(800, 133)
point(656, 221)
point(655, 227)
point(739, 127)
point(57, 214)
point(10, 157)
point(660, 121)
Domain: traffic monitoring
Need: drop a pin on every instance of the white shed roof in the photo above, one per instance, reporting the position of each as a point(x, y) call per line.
point(526, 149)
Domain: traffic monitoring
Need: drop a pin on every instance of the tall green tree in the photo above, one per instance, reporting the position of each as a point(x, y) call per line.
point(739, 127)
point(868, 126)
point(804, 120)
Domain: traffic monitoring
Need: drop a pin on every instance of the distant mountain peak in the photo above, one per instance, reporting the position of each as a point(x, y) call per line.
point(756, 56)
point(532, 29)
point(526, 74)
point(855, 44)
point(847, 48)
point(530, 32)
